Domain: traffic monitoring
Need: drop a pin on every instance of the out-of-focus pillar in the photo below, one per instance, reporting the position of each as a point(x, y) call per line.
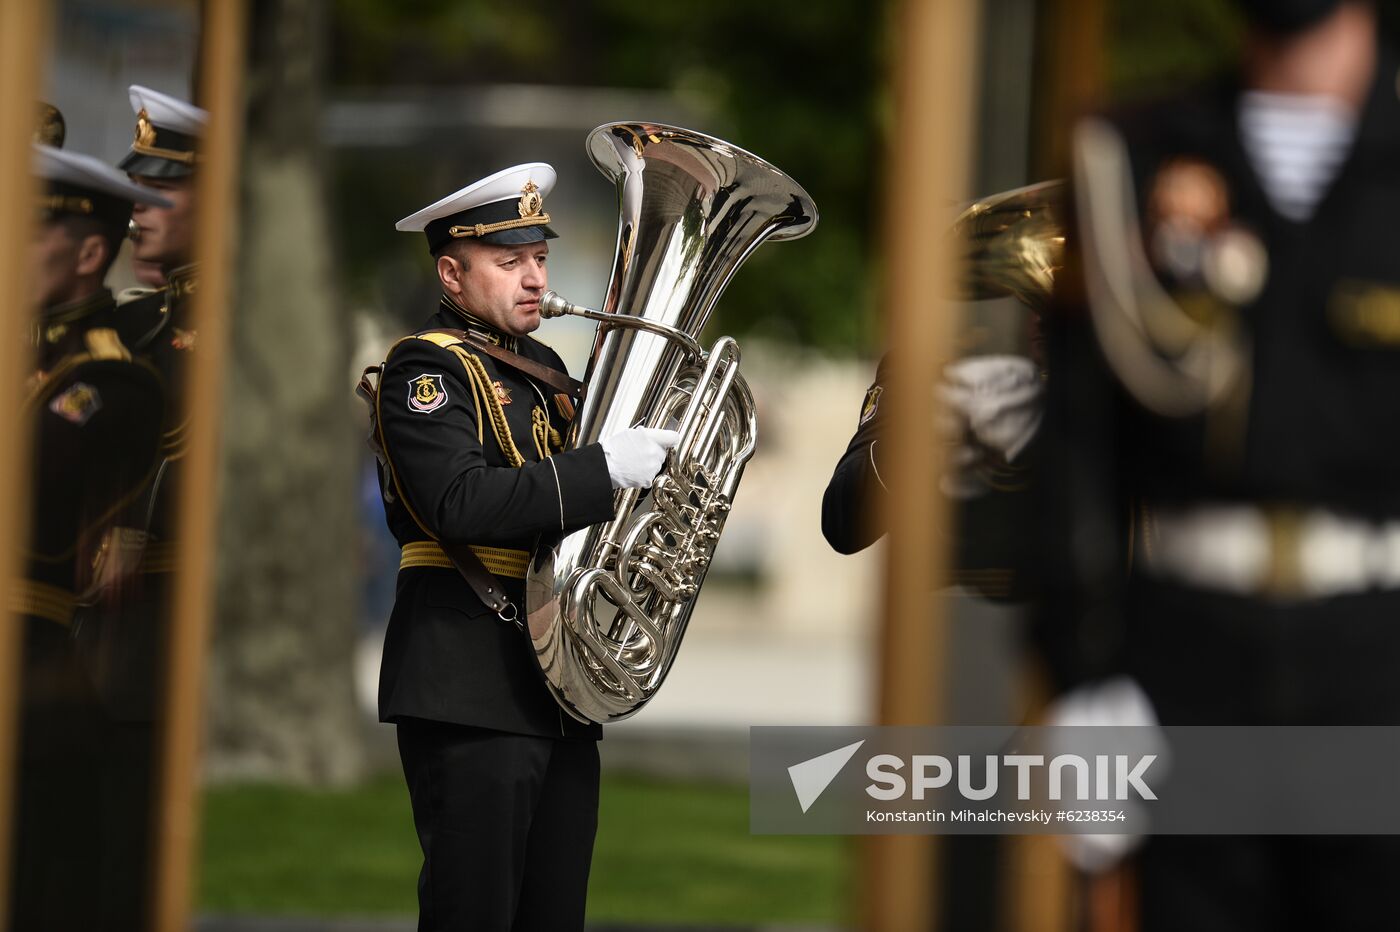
point(1044, 893)
point(23, 37)
point(220, 91)
point(1071, 72)
point(927, 164)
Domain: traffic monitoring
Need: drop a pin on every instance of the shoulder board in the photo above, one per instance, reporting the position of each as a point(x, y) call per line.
point(103, 343)
point(445, 340)
point(435, 337)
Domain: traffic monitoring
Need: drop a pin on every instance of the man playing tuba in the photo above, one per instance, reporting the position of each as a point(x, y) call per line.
point(470, 414)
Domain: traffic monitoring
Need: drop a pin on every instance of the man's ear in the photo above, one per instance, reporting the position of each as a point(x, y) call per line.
point(92, 255)
point(450, 273)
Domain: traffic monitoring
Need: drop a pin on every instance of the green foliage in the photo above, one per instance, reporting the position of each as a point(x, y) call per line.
point(665, 851)
point(1154, 46)
point(796, 85)
point(435, 41)
point(800, 83)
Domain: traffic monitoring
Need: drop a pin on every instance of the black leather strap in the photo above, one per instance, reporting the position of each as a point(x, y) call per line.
point(551, 377)
point(482, 581)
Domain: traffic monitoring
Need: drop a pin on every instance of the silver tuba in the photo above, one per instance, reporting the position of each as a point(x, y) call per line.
point(607, 606)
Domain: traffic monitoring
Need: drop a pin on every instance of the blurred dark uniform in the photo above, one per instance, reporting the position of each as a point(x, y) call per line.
point(123, 638)
point(994, 505)
point(95, 416)
point(503, 783)
point(1300, 445)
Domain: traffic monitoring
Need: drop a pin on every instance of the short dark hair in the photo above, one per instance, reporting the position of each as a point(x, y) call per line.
point(459, 249)
point(80, 227)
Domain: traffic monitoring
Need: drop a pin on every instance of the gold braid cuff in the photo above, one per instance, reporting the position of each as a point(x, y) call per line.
point(547, 440)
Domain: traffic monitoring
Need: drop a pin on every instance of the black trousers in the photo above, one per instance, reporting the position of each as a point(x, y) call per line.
point(1213, 659)
point(56, 858)
point(1269, 883)
point(506, 823)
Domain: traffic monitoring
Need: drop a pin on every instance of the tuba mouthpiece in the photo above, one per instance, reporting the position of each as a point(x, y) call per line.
point(553, 305)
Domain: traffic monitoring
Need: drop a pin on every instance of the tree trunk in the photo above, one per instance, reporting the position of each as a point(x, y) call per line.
point(281, 692)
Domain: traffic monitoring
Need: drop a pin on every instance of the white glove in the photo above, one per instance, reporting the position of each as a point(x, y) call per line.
point(635, 455)
point(997, 397)
point(989, 409)
point(1118, 702)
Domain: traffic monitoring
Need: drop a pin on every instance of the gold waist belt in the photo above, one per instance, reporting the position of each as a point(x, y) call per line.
point(43, 601)
point(159, 557)
point(499, 560)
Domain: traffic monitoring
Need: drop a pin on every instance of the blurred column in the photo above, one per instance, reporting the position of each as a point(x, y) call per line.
point(1071, 52)
point(23, 35)
point(1072, 56)
point(220, 91)
point(927, 164)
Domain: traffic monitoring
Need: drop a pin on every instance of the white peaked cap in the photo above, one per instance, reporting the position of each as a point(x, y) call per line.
point(83, 171)
point(505, 185)
point(168, 112)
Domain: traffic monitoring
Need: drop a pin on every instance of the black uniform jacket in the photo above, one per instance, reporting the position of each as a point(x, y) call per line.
point(95, 413)
point(992, 531)
point(158, 326)
point(475, 450)
point(120, 636)
point(1312, 424)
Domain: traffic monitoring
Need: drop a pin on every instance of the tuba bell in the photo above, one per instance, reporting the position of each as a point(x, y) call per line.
point(607, 606)
point(1012, 244)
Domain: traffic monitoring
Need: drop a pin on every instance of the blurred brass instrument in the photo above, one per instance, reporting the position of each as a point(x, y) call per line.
point(1012, 244)
point(608, 605)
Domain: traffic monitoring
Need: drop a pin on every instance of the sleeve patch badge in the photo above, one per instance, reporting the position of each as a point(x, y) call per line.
point(426, 393)
point(78, 403)
point(872, 404)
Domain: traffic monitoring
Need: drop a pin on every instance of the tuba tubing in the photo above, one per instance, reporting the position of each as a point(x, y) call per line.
point(607, 606)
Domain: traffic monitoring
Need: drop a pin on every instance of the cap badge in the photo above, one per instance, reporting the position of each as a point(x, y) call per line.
point(145, 132)
point(531, 203)
point(51, 128)
point(426, 393)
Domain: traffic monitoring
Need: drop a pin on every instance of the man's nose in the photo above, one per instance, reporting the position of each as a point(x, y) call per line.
point(534, 277)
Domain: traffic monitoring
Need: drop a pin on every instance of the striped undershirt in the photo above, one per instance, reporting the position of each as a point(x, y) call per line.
point(1297, 144)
